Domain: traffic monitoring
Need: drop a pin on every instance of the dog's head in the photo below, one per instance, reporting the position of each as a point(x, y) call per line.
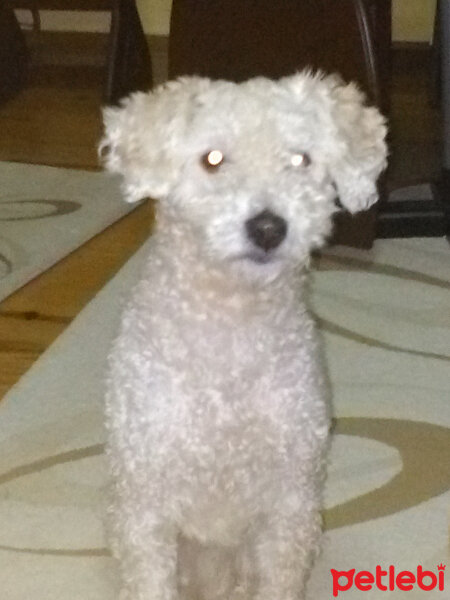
point(253, 169)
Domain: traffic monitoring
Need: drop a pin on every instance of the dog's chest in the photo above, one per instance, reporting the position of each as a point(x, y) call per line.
point(232, 398)
point(229, 376)
point(222, 414)
point(215, 347)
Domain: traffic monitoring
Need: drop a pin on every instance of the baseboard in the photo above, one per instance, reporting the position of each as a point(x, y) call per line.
point(63, 48)
point(89, 39)
point(414, 217)
point(418, 224)
point(409, 56)
point(411, 46)
point(79, 47)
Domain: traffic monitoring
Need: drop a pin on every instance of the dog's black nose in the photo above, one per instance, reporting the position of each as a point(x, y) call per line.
point(266, 230)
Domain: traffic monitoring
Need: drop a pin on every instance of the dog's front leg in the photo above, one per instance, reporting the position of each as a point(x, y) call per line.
point(147, 553)
point(285, 551)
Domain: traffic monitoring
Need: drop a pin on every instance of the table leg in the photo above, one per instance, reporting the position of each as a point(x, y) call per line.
point(129, 65)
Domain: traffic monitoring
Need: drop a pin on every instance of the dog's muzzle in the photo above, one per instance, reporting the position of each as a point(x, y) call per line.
point(266, 230)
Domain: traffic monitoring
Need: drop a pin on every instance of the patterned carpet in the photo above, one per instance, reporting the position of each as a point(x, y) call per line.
point(385, 315)
point(46, 213)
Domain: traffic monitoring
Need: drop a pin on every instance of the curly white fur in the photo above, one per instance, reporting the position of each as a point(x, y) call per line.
point(216, 408)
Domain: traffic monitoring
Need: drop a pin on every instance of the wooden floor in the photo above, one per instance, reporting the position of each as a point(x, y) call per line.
point(56, 121)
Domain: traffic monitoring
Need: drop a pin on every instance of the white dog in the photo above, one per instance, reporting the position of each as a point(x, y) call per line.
point(216, 411)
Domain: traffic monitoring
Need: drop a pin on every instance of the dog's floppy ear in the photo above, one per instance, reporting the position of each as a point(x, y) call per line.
point(358, 155)
point(351, 135)
point(142, 136)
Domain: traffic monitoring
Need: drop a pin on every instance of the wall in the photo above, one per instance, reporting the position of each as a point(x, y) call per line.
point(412, 20)
point(155, 15)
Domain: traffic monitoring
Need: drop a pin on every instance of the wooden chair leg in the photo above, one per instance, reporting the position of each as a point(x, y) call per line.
point(129, 65)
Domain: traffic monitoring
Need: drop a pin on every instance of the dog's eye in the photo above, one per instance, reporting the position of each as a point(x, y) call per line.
point(300, 159)
point(212, 160)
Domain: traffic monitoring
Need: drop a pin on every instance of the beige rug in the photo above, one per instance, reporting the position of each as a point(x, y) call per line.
point(46, 213)
point(386, 322)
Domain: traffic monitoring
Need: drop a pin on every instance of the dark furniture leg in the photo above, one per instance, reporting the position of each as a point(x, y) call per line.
point(429, 217)
point(14, 56)
point(444, 38)
point(129, 64)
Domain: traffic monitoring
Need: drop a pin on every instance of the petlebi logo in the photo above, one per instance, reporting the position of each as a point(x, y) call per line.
point(388, 579)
